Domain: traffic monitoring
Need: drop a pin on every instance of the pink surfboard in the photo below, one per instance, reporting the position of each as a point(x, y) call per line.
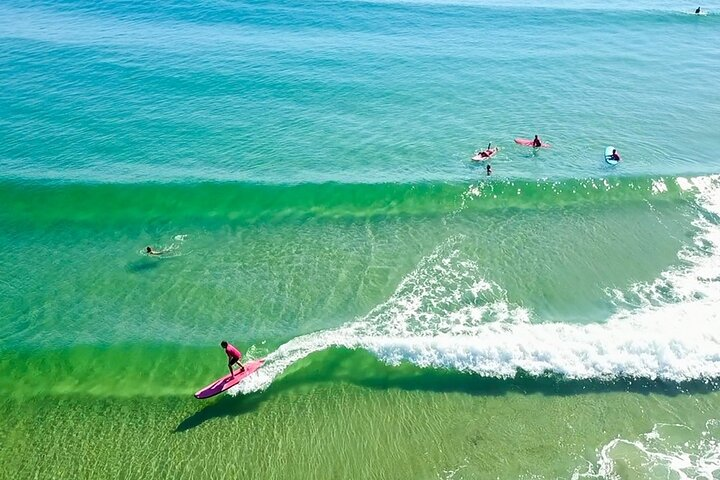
point(526, 142)
point(226, 382)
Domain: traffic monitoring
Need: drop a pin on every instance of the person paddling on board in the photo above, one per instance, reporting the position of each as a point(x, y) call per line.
point(615, 155)
point(487, 152)
point(234, 356)
point(152, 251)
point(536, 142)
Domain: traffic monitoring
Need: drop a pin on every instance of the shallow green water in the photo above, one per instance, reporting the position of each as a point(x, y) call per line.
point(396, 423)
point(126, 339)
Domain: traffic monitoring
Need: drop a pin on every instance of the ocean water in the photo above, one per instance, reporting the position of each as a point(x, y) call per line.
point(307, 168)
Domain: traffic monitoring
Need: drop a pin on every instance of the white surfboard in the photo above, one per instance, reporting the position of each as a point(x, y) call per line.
point(608, 156)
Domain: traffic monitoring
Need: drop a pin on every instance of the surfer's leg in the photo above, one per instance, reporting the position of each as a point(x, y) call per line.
point(230, 365)
point(236, 361)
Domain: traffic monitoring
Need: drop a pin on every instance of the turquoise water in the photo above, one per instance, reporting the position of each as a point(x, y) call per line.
point(351, 92)
point(307, 170)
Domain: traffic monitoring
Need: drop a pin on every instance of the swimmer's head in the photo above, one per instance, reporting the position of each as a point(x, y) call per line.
point(148, 249)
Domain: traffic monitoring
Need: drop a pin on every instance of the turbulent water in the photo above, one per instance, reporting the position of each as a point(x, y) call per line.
point(306, 168)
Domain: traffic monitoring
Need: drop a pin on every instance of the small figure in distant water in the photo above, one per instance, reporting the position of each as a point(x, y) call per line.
point(615, 155)
point(152, 251)
point(234, 357)
point(537, 142)
point(488, 169)
point(697, 10)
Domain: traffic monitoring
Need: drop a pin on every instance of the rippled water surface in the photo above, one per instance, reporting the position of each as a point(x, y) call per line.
point(306, 169)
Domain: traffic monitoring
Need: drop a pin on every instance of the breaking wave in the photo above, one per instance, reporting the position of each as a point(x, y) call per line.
point(445, 314)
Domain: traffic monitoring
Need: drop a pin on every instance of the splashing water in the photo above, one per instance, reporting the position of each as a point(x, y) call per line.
point(668, 451)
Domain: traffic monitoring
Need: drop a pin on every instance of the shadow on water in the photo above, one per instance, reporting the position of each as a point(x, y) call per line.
point(224, 406)
point(360, 368)
point(148, 263)
point(142, 265)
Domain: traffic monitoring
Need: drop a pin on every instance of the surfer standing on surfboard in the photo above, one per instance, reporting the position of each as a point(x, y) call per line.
point(234, 356)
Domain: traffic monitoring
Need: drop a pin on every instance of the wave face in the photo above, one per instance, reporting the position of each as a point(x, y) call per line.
point(661, 330)
point(42, 204)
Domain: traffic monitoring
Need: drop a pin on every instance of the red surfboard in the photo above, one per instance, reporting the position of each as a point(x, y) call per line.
point(226, 382)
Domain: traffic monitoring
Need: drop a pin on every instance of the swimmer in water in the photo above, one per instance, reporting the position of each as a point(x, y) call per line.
point(152, 251)
point(488, 169)
point(697, 10)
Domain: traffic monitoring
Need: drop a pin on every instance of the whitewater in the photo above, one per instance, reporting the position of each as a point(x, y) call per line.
point(664, 329)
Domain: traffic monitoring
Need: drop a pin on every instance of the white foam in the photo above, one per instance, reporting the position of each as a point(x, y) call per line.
point(446, 315)
point(637, 348)
point(669, 450)
point(699, 278)
point(659, 186)
point(682, 348)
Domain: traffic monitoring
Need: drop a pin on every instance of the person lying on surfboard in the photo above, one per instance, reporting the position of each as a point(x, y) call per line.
point(234, 356)
point(615, 155)
point(536, 142)
point(485, 153)
point(152, 251)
